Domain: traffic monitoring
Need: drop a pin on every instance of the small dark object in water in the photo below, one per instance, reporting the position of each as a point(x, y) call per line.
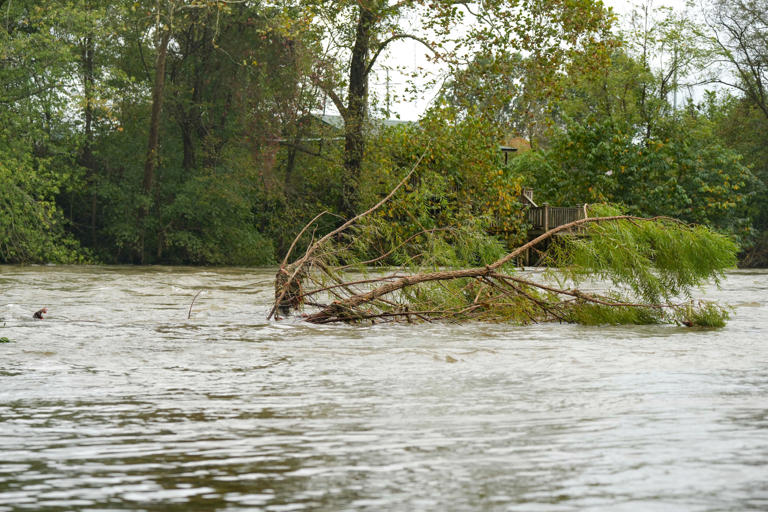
point(39, 314)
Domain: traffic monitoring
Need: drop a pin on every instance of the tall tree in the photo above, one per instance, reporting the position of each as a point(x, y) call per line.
point(164, 25)
point(92, 32)
point(551, 34)
point(359, 32)
point(36, 139)
point(741, 34)
point(672, 51)
point(513, 63)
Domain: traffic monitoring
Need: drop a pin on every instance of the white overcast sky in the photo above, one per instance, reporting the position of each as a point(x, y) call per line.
point(411, 55)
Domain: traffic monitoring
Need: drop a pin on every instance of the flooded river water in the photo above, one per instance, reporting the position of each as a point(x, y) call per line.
point(118, 401)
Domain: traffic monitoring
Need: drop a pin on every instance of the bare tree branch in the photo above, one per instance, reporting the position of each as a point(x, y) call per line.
point(381, 47)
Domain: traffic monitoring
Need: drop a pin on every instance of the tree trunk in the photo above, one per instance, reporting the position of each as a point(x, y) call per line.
point(154, 134)
point(188, 115)
point(154, 122)
point(357, 106)
point(86, 158)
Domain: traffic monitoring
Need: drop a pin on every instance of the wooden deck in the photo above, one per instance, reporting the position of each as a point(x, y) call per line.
point(543, 218)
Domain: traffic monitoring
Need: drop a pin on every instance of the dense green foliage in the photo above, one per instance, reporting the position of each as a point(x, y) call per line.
point(242, 160)
point(683, 172)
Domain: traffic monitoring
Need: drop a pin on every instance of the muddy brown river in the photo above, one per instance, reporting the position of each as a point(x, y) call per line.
point(118, 401)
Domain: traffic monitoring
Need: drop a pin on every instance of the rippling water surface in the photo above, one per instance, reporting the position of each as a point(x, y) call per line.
point(118, 401)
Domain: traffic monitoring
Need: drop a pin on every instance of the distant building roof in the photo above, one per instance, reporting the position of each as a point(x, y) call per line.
point(338, 121)
point(393, 122)
point(518, 144)
point(334, 121)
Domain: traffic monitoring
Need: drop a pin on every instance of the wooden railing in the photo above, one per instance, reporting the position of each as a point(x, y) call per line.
point(544, 218)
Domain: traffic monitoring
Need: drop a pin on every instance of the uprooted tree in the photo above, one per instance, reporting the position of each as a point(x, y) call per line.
point(653, 264)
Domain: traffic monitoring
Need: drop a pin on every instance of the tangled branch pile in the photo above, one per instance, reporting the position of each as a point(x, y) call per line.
point(653, 265)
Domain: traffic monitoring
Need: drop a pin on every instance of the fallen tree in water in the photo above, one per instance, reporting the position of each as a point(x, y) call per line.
point(652, 263)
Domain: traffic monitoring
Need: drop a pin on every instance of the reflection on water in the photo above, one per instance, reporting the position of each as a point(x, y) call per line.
point(118, 401)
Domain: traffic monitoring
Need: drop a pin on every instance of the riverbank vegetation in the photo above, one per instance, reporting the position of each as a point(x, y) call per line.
point(191, 132)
